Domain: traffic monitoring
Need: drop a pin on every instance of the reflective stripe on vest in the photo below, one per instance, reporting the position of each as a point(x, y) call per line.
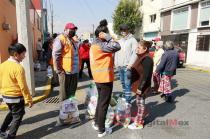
point(101, 64)
point(67, 53)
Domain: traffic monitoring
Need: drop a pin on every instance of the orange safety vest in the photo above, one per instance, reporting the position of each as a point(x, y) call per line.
point(67, 56)
point(102, 66)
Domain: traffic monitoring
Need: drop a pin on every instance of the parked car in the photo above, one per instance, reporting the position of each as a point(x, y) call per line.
point(182, 55)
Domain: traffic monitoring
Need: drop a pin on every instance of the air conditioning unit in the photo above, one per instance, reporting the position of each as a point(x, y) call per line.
point(205, 23)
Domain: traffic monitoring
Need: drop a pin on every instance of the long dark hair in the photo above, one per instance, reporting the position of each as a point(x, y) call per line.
point(102, 27)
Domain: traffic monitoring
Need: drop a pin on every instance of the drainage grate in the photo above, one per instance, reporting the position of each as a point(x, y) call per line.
point(51, 100)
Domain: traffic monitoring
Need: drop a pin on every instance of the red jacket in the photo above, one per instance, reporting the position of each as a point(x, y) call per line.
point(84, 51)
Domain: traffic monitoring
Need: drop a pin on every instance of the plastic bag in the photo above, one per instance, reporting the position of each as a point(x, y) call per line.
point(91, 99)
point(92, 106)
point(90, 91)
point(69, 112)
point(109, 117)
point(49, 72)
point(123, 112)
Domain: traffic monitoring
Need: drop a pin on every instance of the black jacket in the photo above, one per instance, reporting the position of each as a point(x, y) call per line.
point(168, 63)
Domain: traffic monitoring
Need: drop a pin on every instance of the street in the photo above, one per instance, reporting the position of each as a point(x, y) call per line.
point(187, 117)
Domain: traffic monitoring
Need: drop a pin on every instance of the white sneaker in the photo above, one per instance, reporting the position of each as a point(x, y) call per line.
point(134, 126)
point(3, 134)
point(107, 131)
point(94, 126)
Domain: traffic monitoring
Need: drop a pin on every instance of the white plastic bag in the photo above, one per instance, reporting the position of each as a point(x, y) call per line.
point(109, 117)
point(91, 99)
point(123, 113)
point(69, 112)
point(92, 106)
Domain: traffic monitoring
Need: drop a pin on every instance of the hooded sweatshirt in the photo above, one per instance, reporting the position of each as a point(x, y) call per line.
point(127, 55)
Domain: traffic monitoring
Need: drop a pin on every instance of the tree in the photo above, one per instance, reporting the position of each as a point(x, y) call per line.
point(127, 12)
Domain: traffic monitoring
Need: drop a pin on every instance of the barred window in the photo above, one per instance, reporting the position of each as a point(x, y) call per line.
point(203, 43)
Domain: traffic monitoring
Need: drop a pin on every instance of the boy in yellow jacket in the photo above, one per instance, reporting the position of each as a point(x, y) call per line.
point(14, 90)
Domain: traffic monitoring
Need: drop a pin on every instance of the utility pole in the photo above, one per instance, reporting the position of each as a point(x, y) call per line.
point(24, 37)
point(52, 21)
point(51, 12)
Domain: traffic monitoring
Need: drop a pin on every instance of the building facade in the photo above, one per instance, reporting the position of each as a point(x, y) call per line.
point(8, 25)
point(151, 18)
point(187, 23)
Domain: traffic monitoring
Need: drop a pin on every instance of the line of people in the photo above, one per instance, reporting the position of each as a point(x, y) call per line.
point(132, 60)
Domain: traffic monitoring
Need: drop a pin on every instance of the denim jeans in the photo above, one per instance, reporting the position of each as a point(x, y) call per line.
point(126, 82)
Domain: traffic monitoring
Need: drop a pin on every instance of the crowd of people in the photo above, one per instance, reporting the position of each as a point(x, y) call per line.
point(67, 56)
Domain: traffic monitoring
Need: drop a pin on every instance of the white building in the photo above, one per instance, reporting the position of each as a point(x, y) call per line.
point(187, 23)
point(151, 18)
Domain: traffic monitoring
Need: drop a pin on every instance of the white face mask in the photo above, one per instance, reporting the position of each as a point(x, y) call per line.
point(124, 34)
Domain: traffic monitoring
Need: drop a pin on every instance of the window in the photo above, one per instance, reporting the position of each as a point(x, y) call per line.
point(203, 43)
point(152, 18)
point(180, 18)
point(204, 14)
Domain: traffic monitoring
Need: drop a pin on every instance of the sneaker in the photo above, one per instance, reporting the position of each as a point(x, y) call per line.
point(107, 131)
point(3, 134)
point(134, 126)
point(95, 126)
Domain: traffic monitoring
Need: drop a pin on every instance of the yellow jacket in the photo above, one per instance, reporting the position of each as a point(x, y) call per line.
point(13, 81)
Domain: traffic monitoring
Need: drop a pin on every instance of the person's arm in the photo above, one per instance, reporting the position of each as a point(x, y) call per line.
point(57, 55)
point(20, 76)
point(109, 46)
point(134, 56)
point(162, 63)
point(147, 64)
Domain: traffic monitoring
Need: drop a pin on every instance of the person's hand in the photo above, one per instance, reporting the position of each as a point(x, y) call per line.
point(128, 67)
point(138, 92)
point(128, 73)
point(102, 35)
point(30, 104)
point(75, 38)
point(60, 72)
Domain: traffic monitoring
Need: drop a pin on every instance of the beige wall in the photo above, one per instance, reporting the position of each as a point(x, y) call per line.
point(166, 22)
point(194, 16)
point(8, 15)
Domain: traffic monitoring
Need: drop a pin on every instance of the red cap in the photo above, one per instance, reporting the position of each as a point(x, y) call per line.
point(70, 26)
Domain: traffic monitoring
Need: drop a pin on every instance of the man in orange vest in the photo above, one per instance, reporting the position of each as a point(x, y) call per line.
point(66, 61)
point(102, 68)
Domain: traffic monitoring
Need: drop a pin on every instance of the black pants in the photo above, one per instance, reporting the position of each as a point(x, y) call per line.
point(104, 97)
point(87, 61)
point(15, 116)
point(68, 85)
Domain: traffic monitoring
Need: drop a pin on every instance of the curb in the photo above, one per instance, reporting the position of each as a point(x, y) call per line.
point(198, 69)
point(46, 92)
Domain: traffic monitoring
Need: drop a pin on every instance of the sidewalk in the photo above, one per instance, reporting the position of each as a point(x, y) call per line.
point(198, 68)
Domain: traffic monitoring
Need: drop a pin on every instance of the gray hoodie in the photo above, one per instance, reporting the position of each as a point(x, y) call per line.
point(127, 54)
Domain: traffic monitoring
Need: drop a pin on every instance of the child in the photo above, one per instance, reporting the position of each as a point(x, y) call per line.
point(14, 90)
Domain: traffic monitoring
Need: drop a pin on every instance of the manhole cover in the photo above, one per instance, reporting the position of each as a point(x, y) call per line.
point(52, 100)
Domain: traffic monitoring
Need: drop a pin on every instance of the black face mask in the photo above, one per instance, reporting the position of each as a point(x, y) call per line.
point(72, 33)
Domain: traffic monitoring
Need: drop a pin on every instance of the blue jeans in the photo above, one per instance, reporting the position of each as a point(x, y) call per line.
point(126, 83)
